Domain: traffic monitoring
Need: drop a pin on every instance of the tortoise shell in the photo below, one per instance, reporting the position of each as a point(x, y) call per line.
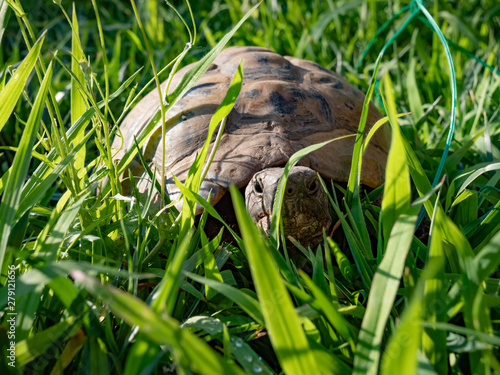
point(285, 104)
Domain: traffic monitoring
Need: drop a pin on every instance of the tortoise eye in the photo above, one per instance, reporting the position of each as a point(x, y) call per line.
point(258, 187)
point(314, 186)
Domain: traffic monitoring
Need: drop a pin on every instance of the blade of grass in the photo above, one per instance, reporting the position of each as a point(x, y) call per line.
point(434, 341)
point(355, 174)
point(453, 86)
point(166, 292)
point(12, 91)
point(12, 194)
point(358, 223)
point(486, 229)
point(286, 333)
point(49, 246)
point(247, 358)
point(476, 174)
point(397, 179)
point(70, 351)
point(404, 345)
point(383, 291)
point(209, 263)
point(30, 349)
point(41, 186)
point(414, 101)
point(162, 110)
point(376, 127)
point(160, 329)
point(384, 288)
point(4, 18)
point(475, 311)
point(342, 261)
point(364, 269)
point(142, 355)
point(487, 338)
point(207, 206)
point(78, 102)
point(37, 278)
point(193, 180)
point(418, 176)
point(346, 330)
point(246, 302)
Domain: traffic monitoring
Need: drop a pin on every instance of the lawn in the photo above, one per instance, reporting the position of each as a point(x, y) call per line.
point(97, 282)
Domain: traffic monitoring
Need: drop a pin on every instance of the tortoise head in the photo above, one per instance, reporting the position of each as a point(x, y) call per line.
point(305, 204)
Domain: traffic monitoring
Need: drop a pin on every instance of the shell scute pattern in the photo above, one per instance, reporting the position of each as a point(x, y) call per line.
point(285, 104)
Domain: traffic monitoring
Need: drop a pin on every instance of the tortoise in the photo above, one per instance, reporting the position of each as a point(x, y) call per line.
point(285, 104)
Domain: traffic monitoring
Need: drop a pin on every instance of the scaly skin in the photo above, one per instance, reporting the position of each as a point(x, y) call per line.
point(305, 204)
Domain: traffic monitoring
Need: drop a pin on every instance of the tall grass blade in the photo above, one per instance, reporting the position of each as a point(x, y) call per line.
point(383, 291)
point(418, 176)
point(31, 348)
point(404, 345)
point(397, 192)
point(209, 263)
point(330, 311)
point(398, 224)
point(142, 356)
point(434, 341)
point(376, 127)
point(160, 329)
point(486, 338)
point(476, 313)
point(286, 333)
point(166, 292)
point(12, 194)
point(12, 91)
point(355, 174)
point(414, 100)
point(193, 180)
point(37, 278)
point(40, 186)
point(49, 246)
point(207, 206)
point(487, 260)
point(476, 174)
point(247, 358)
point(78, 102)
point(4, 19)
point(17, 8)
point(486, 229)
point(247, 303)
point(453, 86)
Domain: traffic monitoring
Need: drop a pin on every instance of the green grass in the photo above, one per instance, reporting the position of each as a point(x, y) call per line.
point(105, 286)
